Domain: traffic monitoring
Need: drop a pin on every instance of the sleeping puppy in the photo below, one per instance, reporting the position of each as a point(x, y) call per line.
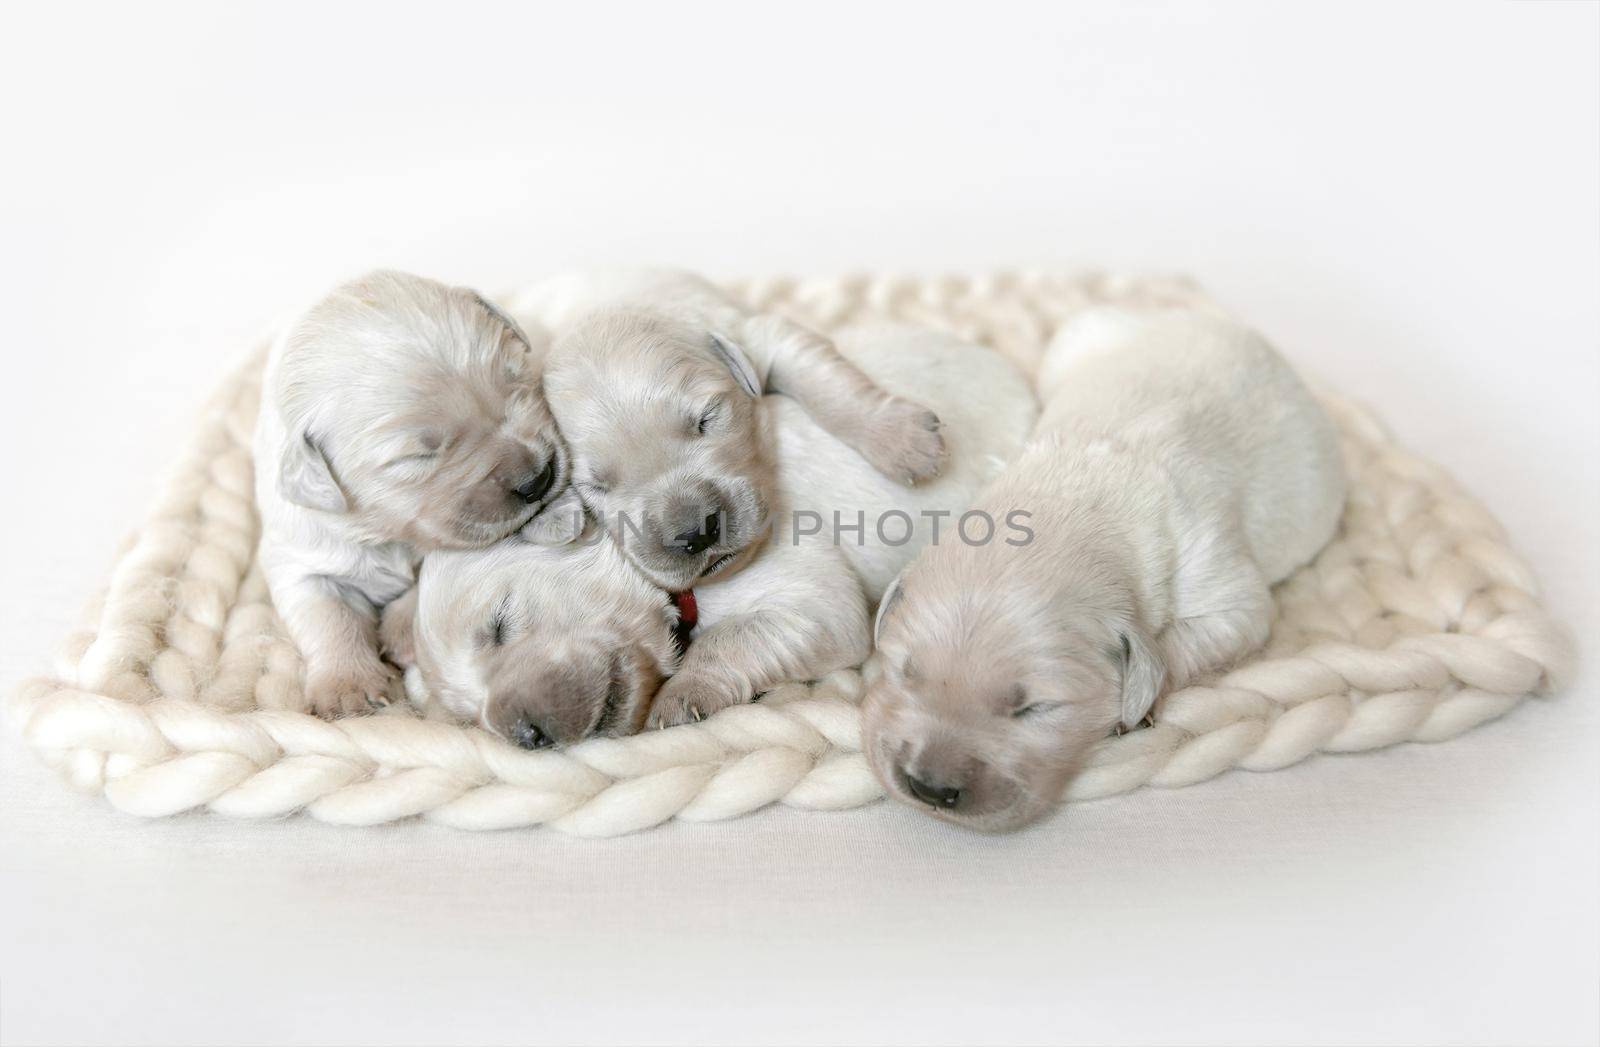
point(398, 416)
point(654, 377)
point(1179, 470)
point(551, 643)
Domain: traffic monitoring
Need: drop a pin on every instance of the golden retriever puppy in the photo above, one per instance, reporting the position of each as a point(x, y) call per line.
point(548, 644)
point(398, 416)
point(1180, 469)
point(655, 376)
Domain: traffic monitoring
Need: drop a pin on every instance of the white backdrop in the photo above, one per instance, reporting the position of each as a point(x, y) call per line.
point(1403, 196)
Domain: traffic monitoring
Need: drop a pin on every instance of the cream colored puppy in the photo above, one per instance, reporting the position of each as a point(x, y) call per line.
point(398, 416)
point(549, 644)
point(1180, 468)
point(654, 377)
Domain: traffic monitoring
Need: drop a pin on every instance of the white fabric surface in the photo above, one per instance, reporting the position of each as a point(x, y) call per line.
point(1404, 199)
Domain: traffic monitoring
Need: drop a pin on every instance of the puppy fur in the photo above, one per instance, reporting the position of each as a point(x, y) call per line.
point(398, 416)
point(653, 378)
point(548, 644)
point(1180, 469)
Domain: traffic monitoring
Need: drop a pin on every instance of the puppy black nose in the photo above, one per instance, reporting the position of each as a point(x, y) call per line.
point(698, 541)
point(527, 734)
point(933, 795)
point(537, 485)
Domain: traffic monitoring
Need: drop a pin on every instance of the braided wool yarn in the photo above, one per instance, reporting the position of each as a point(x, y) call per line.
point(1415, 624)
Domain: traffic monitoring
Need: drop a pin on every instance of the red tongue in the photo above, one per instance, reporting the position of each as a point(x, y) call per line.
point(688, 611)
point(688, 615)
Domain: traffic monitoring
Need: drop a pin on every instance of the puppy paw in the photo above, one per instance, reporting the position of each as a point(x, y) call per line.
point(333, 695)
point(690, 698)
point(904, 443)
point(397, 631)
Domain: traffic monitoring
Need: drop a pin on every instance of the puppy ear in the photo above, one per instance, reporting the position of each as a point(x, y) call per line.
point(559, 523)
point(637, 672)
point(891, 596)
point(1142, 676)
point(734, 359)
point(501, 315)
point(305, 479)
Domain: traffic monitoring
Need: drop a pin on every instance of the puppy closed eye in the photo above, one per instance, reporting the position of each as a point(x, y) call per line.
point(412, 461)
point(1036, 709)
point(418, 450)
point(709, 416)
point(498, 630)
point(1021, 708)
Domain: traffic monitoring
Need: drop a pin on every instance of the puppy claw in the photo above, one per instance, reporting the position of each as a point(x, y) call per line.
point(333, 697)
point(686, 698)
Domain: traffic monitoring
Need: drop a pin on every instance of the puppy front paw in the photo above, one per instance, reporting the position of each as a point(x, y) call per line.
point(689, 698)
point(332, 695)
point(904, 442)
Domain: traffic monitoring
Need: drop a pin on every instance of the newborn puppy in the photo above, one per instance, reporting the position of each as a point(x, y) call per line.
point(398, 416)
point(654, 378)
point(545, 644)
point(1180, 469)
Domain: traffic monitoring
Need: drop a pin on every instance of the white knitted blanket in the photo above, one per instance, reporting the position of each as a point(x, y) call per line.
point(1415, 624)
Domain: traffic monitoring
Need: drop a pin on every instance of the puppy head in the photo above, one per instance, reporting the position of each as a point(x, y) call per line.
point(542, 644)
point(415, 411)
point(990, 700)
point(670, 446)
